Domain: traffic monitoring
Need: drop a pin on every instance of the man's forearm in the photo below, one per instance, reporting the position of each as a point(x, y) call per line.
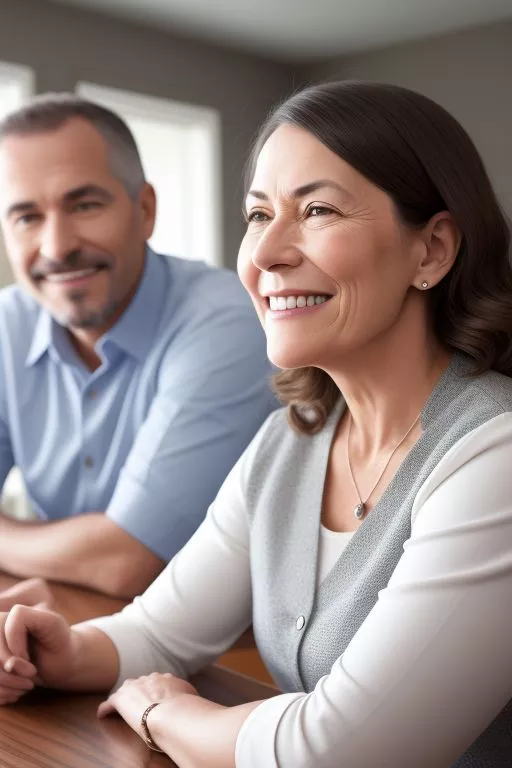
point(88, 550)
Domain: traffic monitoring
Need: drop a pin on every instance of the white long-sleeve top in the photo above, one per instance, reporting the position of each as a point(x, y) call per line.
point(443, 660)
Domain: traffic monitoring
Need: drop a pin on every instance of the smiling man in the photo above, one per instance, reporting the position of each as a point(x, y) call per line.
point(130, 382)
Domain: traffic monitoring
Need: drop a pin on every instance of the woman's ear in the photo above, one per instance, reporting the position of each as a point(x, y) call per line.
point(441, 238)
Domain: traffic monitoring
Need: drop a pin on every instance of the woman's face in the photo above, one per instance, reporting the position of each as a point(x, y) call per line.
point(325, 259)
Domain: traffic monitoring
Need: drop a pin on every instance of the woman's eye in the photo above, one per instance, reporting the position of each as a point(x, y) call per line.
point(256, 216)
point(318, 210)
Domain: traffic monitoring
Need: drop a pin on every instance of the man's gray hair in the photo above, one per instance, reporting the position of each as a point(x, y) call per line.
point(50, 111)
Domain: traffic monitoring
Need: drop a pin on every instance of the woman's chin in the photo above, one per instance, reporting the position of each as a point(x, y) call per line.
point(289, 358)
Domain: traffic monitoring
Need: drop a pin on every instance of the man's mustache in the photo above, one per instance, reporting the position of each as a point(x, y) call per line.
point(74, 261)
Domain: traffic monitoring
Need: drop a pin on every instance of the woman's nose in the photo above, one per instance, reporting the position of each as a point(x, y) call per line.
point(276, 248)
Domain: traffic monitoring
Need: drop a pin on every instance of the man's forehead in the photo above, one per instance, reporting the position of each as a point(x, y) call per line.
point(75, 142)
point(53, 161)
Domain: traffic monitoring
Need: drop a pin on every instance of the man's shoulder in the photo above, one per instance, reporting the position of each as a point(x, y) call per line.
point(18, 310)
point(198, 281)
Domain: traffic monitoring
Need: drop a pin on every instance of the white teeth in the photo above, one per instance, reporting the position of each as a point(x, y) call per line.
point(62, 277)
point(278, 303)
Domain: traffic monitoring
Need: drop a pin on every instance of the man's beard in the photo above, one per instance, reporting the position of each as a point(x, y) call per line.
point(87, 318)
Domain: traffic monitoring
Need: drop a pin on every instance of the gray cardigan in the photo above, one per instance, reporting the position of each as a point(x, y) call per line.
point(284, 500)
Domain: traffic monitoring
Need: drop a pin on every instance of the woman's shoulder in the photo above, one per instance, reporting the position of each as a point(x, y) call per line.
point(282, 455)
point(277, 435)
point(492, 388)
point(275, 432)
point(465, 398)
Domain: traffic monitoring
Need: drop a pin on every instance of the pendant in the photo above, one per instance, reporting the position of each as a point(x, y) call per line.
point(359, 511)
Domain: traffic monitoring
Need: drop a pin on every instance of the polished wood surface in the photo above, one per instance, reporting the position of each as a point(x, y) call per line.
point(47, 729)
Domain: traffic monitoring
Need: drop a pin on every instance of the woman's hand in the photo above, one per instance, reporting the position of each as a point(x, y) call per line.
point(190, 729)
point(133, 698)
point(27, 592)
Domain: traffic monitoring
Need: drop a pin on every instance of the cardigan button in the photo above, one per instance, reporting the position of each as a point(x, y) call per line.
point(300, 623)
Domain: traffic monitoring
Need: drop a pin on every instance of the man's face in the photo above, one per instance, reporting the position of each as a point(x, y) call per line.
point(74, 236)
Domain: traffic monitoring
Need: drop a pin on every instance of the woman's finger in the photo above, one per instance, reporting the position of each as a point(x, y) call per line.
point(106, 708)
point(27, 592)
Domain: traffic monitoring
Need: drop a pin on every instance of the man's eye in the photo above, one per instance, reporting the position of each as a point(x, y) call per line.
point(87, 205)
point(27, 218)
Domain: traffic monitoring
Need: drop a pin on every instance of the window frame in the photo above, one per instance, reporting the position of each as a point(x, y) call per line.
point(183, 114)
point(24, 75)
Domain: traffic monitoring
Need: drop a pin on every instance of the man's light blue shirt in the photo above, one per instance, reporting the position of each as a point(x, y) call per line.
point(151, 434)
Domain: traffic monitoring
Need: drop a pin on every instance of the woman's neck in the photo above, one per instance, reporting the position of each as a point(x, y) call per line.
point(387, 383)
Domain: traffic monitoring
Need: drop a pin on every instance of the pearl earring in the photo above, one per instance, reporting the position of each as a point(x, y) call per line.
point(424, 285)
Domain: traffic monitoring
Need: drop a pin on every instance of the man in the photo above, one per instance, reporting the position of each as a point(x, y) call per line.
point(129, 382)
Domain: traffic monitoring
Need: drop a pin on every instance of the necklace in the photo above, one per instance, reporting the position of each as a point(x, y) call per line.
point(360, 508)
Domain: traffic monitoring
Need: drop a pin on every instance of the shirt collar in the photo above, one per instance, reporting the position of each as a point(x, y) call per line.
point(135, 330)
point(42, 339)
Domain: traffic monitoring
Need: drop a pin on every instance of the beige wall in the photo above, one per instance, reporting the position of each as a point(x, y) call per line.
point(467, 73)
point(5, 270)
point(65, 45)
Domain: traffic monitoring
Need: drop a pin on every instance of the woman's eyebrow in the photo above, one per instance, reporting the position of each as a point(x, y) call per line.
point(305, 189)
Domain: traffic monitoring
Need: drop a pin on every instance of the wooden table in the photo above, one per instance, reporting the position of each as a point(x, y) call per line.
point(47, 729)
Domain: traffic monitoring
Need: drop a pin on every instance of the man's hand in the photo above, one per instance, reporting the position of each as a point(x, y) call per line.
point(16, 675)
point(28, 592)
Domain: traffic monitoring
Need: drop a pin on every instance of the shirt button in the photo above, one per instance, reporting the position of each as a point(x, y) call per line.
point(92, 394)
point(301, 621)
point(89, 462)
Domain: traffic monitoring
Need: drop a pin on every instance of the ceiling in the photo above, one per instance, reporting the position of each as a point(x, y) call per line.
point(306, 29)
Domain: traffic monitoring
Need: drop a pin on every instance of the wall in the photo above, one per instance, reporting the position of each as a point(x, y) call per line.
point(468, 73)
point(5, 269)
point(64, 45)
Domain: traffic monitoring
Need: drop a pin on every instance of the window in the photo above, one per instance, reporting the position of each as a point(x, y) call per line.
point(16, 87)
point(180, 150)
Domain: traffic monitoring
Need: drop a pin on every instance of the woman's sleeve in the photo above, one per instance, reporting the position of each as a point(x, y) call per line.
point(200, 603)
point(431, 666)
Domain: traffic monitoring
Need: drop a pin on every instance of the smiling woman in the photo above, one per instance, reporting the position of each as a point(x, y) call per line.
point(428, 161)
point(370, 543)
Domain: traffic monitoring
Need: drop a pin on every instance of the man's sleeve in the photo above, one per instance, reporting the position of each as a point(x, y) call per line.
point(6, 456)
point(212, 397)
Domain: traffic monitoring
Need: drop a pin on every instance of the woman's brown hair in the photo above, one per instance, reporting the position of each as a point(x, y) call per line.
point(424, 160)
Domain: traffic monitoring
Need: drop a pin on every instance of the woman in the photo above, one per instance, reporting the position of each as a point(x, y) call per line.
point(369, 538)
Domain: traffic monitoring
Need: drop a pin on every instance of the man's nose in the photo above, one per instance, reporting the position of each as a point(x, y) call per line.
point(58, 239)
